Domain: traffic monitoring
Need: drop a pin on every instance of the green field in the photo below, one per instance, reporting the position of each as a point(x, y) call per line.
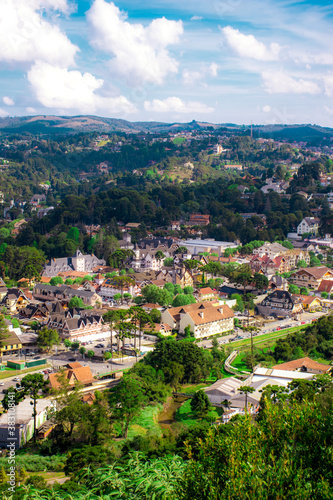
point(146, 422)
point(15, 373)
point(179, 140)
point(186, 416)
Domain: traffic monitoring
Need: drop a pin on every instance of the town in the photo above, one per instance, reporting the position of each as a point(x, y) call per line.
point(155, 287)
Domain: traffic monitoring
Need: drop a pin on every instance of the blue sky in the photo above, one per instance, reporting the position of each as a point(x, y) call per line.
point(265, 61)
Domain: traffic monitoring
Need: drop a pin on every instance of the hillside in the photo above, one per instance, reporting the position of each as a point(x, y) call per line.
point(56, 125)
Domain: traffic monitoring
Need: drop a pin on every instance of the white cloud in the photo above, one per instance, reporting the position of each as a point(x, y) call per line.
point(249, 46)
point(177, 105)
point(328, 83)
point(266, 109)
point(213, 69)
point(3, 113)
point(57, 87)
point(31, 110)
point(278, 82)
point(196, 18)
point(191, 77)
point(26, 35)
point(8, 101)
point(140, 53)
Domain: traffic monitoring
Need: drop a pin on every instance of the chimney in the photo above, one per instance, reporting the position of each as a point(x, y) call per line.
point(220, 310)
point(201, 314)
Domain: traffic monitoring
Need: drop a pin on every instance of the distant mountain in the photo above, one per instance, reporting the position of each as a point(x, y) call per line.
point(59, 125)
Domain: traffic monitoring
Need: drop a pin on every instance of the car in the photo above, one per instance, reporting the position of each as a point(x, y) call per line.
point(37, 357)
point(303, 323)
point(16, 379)
point(101, 345)
point(71, 359)
point(2, 383)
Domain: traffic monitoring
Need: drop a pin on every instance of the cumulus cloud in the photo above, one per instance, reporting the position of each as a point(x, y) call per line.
point(3, 113)
point(57, 87)
point(26, 35)
point(278, 82)
point(191, 77)
point(31, 110)
point(139, 53)
point(8, 101)
point(177, 105)
point(328, 83)
point(248, 46)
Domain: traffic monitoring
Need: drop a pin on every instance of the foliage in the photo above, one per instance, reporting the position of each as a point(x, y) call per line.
point(75, 302)
point(47, 338)
point(200, 403)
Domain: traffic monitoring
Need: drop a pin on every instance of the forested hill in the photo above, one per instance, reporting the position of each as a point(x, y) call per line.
point(55, 125)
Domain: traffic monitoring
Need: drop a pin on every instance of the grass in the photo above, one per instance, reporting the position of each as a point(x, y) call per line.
point(145, 422)
point(12, 373)
point(188, 418)
point(179, 140)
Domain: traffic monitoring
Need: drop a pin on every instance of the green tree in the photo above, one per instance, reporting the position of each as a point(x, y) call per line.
point(168, 262)
point(82, 351)
point(90, 353)
point(200, 404)
point(56, 280)
point(76, 302)
point(126, 401)
point(301, 263)
point(183, 300)
point(246, 389)
point(293, 289)
point(174, 373)
point(32, 384)
point(47, 338)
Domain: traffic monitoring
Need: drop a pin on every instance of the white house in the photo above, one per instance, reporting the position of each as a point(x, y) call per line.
point(308, 225)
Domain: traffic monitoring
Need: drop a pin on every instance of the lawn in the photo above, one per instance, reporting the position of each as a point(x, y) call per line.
point(12, 373)
point(186, 416)
point(146, 421)
point(179, 140)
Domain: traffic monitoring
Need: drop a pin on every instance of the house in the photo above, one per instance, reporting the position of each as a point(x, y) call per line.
point(126, 242)
point(326, 286)
point(279, 303)
point(15, 300)
point(308, 225)
point(311, 277)
point(3, 289)
point(74, 375)
point(65, 293)
point(78, 262)
point(270, 250)
point(199, 220)
point(205, 294)
point(305, 365)
point(78, 324)
point(24, 422)
point(277, 282)
point(10, 343)
point(204, 318)
point(109, 288)
point(177, 276)
point(309, 302)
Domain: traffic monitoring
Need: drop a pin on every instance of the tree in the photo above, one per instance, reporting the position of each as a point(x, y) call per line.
point(76, 302)
point(183, 300)
point(304, 291)
point(90, 353)
point(47, 338)
point(324, 295)
point(246, 389)
point(75, 345)
point(32, 384)
point(293, 289)
point(56, 280)
point(3, 332)
point(82, 351)
point(174, 373)
point(16, 399)
point(200, 403)
point(260, 281)
point(111, 317)
point(139, 318)
point(123, 282)
point(159, 255)
point(302, 263)
point(168, 262)
point(126, 401)
point(182, 250)
point(155, 315)
point(191, 264)
point(67, 343)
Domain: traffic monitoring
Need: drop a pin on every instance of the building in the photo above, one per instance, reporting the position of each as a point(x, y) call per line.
point(78, 262)
point(205, 319)
point(205, 294)
point(65, 293)
point(15, 300)
point(308, 225)
point(74, 374)
point(10, 343)
point(270, 250)
point(78, 324)
point(311, 277)
point(197, 246)
point(24, 421)
point(199, 220)
point(279, 303)
point(305, 365)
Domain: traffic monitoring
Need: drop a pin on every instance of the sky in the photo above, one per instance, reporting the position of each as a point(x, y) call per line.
point(218, 61)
